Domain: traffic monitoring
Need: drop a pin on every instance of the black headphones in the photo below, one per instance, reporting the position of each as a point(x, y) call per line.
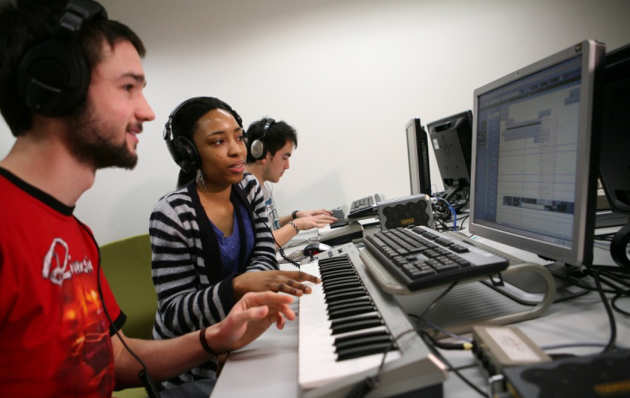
point(257, 147)
point(53, 76)
point(183, 149)
point(619, 247)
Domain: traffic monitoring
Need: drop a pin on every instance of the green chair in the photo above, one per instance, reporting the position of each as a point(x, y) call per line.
point(127, 267)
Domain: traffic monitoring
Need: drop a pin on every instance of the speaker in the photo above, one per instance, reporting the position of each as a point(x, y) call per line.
point(403, 212)
point(257, 146)
point(53, 76)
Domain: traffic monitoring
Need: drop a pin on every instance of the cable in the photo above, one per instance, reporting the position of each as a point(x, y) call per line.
point(438, 298)
point(465, 346)
point(571, 345)
point(280, 249)
point(143, 374)
point(368, 384)
point(440, 329)
point(437, 353)
point(614, 303)
point(611, 317)
point(451, 209)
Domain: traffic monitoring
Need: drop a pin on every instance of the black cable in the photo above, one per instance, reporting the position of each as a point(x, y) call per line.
point(463, 367)
point(611, 317)
point(438, 298)
point(280, 249)
point(613, 269)
point(143, 374)
point(572, 280)
point(368, 384)
point(614, 303)
point(448, 345)
point(438, 354)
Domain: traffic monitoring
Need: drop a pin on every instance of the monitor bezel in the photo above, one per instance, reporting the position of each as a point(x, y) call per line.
point(580, 252)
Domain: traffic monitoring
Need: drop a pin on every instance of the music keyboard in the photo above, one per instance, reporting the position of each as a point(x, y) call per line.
point(347, 324)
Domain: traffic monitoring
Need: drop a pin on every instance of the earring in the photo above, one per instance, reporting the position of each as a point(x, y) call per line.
point(200, 180)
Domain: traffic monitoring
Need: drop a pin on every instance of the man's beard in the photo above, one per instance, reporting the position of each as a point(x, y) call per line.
point(89, 142)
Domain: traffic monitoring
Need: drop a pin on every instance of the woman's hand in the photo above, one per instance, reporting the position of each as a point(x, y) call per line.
point(276, 281)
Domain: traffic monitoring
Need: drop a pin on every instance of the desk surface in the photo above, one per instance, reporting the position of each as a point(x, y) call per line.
point(268, 366)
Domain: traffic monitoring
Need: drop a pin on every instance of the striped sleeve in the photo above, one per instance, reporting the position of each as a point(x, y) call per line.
point(264, 254)
point(186, 299)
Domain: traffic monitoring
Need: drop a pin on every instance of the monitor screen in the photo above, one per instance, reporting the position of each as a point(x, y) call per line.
point(532, 185)
point(418, 155)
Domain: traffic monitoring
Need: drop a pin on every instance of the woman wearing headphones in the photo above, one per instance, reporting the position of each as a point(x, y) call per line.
point(209, 238)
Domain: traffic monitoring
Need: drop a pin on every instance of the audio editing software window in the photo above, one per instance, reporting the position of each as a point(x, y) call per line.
point(527, 153)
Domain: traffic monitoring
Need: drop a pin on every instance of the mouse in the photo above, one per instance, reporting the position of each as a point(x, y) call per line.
point(315, 248)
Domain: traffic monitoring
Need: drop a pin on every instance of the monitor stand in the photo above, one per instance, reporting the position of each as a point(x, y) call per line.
point(472, 301)
point(528, 288)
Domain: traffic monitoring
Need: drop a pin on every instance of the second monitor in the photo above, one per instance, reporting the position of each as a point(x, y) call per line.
point(451, 138)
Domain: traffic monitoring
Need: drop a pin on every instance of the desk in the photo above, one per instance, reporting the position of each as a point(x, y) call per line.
point(268, 367)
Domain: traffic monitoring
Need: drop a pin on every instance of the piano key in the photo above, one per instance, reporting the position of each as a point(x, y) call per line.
point(367, 350)
point(351, 311)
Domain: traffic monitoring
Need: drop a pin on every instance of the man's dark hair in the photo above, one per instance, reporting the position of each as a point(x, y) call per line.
point(32, 22)
point(276, 136)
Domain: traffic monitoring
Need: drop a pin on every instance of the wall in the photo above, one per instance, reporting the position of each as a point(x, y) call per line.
point(347, 74)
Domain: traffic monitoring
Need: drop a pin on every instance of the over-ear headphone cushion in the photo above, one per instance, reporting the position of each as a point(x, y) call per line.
point(185, 153)
point(53, 77)
point(618, 247)
point(257, 149)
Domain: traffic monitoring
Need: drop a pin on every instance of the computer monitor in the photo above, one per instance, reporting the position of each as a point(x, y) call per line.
point(418, 155)
point(612, 121)
point(451, 138)
point(533, 186)
point(612, 104)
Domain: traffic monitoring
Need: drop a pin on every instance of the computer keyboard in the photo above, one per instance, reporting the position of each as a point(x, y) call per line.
point(422, 257)
point(365, 206)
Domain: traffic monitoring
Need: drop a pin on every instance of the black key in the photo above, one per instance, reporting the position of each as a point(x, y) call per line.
point(341, 282)
point(346, 306)
point(364, 351)
point(341, 288)
point(350, 312)
point(359, 335)
point(355, 324)
point(360, 340)
point(345, 295)
point(354, 300)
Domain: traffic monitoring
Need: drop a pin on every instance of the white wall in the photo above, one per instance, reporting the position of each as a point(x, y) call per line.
point(347, 74)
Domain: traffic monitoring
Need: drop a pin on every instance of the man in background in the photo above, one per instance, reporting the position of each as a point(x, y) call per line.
point(270, 144)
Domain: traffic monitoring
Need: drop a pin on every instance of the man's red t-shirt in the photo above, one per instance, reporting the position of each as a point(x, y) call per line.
point(54, 333)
